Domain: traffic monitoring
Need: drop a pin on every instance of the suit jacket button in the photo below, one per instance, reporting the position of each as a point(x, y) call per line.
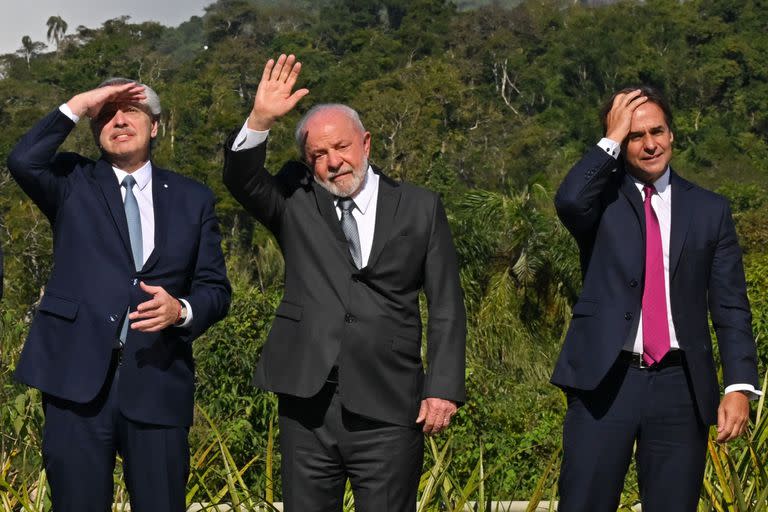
point(349, 319)
point(113, 318)
point(627, 316)
point(633, 283)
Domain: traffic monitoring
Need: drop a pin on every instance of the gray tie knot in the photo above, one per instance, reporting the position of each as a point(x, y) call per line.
point(346, 204)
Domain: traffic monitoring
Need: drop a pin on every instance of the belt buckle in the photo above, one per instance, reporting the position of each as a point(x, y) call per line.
point(640, 362)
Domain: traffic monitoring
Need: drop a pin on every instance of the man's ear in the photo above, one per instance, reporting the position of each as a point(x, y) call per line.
point(367, 143)
point(155, 125)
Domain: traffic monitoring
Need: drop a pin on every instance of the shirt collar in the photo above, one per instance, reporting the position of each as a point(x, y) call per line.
point(142, 175)
point(363, 197)
point(661, 185)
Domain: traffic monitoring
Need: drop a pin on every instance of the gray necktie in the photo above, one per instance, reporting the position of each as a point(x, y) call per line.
point(133, 216)
point(349, 227)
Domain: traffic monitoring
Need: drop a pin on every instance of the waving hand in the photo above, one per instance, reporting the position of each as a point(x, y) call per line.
point(275, 96)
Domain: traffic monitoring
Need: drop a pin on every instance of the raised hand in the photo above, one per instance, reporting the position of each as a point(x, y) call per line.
point(90, 103)
point(275, 96)
point(619, 119)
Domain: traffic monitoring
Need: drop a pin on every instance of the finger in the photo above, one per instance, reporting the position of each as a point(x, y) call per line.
point(150, 323)
point(637, 102)
point(278, 67)
point(294, 75)
point(423, 411)
point(149, 305)
point(721, 416)
point(152, 290)
point(728, 431)
point(433, 422)
point(150, 313)
point(267, 70)
point(630, 97)
point(287, 68)
point(296, 97)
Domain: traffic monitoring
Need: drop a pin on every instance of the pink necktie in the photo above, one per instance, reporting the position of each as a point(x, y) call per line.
point(655, 323)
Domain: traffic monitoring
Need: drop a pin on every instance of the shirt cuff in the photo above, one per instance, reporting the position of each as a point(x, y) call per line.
point(610, 146)
point(752, 393)
point(248, 138)
point(64, 109)
point(187, 320)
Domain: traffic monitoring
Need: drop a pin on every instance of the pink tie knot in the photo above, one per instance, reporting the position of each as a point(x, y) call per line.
point(648, 190)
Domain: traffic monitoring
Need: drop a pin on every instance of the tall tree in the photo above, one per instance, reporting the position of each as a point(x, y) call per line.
point(30, 48)
point(57, 27)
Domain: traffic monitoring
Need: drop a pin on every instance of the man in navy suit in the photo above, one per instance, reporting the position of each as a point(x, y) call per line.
point(133, 244)
point(658, 254)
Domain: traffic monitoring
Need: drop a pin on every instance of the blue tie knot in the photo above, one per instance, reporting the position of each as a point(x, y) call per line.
point(128, 182)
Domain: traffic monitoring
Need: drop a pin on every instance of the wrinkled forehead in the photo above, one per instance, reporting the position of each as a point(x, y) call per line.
point(331, 124)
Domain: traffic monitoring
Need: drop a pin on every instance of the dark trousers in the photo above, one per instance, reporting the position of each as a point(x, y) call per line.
point(80, 442)
point(322, 444)
point(653, 408)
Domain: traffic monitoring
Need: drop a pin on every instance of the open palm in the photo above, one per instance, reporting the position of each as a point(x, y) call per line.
point(275, 96)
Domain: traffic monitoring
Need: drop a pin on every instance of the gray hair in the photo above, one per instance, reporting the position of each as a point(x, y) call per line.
point(301, 127)
point(152, 100)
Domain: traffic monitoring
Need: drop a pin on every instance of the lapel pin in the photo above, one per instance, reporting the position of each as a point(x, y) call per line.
point(165, 185)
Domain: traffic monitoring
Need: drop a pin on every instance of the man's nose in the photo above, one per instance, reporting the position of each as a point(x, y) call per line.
point(119, 118)
point(334, 160)
point(649, 143)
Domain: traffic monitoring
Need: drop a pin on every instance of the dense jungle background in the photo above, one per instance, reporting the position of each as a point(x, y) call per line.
point(488, 104)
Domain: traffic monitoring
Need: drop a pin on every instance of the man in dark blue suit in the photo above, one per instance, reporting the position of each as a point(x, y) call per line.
point(658, 254)
point(138, 274)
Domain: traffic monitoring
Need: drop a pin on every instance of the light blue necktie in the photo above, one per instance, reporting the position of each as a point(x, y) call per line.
point(133, 216)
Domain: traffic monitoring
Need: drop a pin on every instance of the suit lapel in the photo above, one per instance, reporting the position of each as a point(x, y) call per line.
point(110, 189)
point(629, 189)
point(325, 206)
point(161, 193)
point(388, 200)
point(681, 218)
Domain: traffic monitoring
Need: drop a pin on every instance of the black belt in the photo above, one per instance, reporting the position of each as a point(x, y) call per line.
point(673, 358)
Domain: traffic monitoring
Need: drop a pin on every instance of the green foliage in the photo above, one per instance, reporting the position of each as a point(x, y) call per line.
point(487, 103)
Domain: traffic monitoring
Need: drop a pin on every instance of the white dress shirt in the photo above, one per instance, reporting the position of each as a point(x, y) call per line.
point(661, 202)
point(365, 200)
point(142, 190)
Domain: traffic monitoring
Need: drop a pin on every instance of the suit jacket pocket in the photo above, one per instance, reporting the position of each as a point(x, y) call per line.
point(289, 310)
point(58, 306)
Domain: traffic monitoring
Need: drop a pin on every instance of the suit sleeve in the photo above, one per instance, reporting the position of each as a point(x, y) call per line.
point(578, 200)
point(252, 185)
point(39, 171)
point(447, 322)
point(729, 307)
point(210, 291)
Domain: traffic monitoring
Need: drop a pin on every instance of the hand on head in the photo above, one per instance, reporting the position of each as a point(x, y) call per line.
point(619, 118)
point(275, 96)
